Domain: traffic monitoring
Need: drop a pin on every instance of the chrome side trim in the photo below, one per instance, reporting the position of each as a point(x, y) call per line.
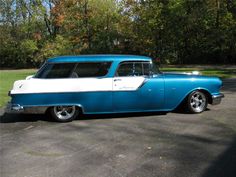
point(16, 109)
point(216, 99)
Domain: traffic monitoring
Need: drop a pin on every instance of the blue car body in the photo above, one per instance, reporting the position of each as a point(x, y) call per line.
point(111, 93)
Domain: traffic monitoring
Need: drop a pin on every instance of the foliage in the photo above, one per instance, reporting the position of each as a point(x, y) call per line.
point(51, 48)
point(177, 31)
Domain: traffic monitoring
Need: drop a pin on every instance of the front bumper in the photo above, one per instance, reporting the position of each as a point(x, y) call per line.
point(16, 109)
point(216, 99)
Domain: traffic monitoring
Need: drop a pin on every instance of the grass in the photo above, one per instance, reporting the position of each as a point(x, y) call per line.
point(7, 77)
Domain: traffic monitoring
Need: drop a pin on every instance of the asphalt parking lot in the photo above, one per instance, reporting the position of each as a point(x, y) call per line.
point(130, 145)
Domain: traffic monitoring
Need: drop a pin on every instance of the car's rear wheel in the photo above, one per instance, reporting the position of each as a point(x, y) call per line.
point(64, 113)
point(196, 102)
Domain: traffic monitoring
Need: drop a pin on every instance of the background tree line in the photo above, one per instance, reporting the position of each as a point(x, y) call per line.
point(177, 31)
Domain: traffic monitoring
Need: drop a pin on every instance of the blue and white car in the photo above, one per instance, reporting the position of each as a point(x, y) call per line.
point(68, 86)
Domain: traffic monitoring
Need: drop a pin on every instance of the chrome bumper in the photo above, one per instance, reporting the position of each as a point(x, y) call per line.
point(216, 99)
point(16, 109)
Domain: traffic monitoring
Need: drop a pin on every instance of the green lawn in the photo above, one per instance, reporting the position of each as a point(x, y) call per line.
point(7, 77)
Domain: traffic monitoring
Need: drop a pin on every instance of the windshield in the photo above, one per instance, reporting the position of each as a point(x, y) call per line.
point(155, 69)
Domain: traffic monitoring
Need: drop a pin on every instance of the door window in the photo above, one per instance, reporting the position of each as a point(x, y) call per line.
point(133, 69)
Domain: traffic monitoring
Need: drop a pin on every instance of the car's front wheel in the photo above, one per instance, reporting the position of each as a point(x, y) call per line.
point(196, 102)
point(64, 113)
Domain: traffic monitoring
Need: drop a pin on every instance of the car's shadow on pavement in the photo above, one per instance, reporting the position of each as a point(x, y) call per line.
point(182, 111)
point(12, 118)
point(120, 115)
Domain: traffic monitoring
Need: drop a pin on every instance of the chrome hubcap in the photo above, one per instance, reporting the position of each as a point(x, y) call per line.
point(64, 112)
point(198, 101)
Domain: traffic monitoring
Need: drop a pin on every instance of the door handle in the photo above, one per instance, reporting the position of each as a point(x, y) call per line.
point(117, 80)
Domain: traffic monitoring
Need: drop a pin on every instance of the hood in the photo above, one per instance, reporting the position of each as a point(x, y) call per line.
point(184, 75)
point(190, 76)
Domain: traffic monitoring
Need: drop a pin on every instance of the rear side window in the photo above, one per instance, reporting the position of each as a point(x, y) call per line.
point(74, 70)
point(133, 69)
point(92, 69)
point(56, 70)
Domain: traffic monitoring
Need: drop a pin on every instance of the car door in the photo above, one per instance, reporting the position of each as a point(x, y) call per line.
point(135, 89)
point(94, 87)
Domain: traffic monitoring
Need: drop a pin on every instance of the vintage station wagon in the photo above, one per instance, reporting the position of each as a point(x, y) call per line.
point(91, 84)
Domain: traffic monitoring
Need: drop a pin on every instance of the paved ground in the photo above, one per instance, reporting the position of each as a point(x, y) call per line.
point(132, 145)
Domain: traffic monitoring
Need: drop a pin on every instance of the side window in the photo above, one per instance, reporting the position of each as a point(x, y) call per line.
point(74, 70)
point(56, 71)
point(133, 69)
point(125, 69)
point(92, 69)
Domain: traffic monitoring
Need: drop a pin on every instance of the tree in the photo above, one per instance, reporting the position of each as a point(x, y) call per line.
point(177, 31)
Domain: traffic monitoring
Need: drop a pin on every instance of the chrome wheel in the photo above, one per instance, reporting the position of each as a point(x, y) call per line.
point(197, 102)
point(64, 113)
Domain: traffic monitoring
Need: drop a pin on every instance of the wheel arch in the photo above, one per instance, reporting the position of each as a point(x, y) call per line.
point(79, 106)
point(208, 95)
point(203, 90)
